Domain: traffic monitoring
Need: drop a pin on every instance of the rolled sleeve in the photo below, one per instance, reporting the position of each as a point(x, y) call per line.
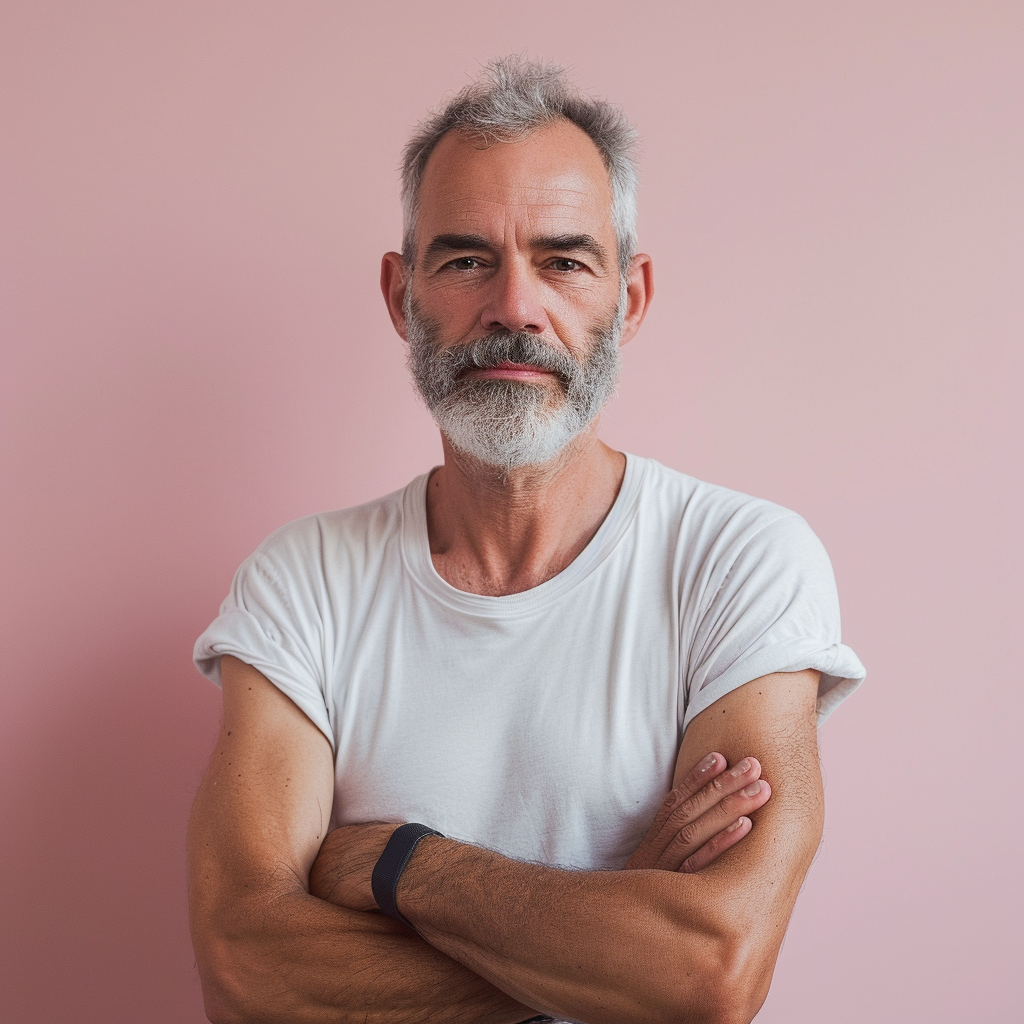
point(266, 623)
point(774, 609)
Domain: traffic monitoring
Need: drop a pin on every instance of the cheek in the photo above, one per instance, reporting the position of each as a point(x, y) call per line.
point(454, 310)
point(578, 318)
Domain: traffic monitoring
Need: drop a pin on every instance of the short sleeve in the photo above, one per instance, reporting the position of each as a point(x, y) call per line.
point(773, 608)
point(270, 620)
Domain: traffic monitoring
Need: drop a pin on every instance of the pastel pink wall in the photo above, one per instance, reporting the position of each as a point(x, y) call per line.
point(194, 200)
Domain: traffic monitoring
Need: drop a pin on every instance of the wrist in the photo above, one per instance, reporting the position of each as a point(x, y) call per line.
point(392, 863)
point(341, 872)
point(435, 876)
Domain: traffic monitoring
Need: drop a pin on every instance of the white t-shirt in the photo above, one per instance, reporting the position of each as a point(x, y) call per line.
point(544, 725)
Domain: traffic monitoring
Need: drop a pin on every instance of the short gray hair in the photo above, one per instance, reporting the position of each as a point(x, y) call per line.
point(512, 98)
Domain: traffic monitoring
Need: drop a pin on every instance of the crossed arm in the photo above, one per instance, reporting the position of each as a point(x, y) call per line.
point(499, 940)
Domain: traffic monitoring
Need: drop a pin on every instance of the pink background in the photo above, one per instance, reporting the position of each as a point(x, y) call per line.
point(195, 198)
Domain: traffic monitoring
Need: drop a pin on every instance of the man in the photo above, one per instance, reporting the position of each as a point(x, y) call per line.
point(525, 649)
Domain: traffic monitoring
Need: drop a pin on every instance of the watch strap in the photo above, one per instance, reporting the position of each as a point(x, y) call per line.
point(392, 862)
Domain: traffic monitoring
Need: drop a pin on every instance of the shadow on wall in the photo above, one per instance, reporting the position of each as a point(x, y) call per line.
point(95, 831)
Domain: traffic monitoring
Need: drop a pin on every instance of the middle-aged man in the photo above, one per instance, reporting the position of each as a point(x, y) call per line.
point(580, 669)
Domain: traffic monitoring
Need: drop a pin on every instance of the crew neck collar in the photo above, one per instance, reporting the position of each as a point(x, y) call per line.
point(416, 551)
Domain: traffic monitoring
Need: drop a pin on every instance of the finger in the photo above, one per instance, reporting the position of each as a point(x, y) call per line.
point(693, 836)
point(694, 780)
point(717, 845)
point(701, 774)
point(658, 836)
point(684, 813)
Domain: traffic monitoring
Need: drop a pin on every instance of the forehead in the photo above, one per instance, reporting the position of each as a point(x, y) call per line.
point(552, 181)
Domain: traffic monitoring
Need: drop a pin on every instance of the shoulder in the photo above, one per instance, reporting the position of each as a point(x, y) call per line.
point(324, 542)
point(286, 596)
point(321, 561)
point(717, 521)
point(757, 595)
point(734, 555)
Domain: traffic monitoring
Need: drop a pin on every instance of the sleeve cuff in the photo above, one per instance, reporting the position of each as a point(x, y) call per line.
point(841, 674)
point(237, 632)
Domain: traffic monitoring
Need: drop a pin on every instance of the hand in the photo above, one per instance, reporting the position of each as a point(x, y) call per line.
point(703, 816)
point(342, 870)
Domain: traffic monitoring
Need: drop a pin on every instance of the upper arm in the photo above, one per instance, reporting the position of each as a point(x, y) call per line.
point(773, 718)
point(751, 889)
point(266, 949)
point(265, 802)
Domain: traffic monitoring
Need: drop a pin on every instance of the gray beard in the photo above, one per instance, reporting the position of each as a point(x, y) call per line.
point(509, 424)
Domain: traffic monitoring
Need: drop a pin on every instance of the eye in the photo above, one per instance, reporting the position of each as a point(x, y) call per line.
point(464, 263)
point(565, 265)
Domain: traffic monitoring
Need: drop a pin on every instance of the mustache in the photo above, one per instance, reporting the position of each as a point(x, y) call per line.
point(506, 347)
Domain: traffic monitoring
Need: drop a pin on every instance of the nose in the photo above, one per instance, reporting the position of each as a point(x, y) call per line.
point(513, 301)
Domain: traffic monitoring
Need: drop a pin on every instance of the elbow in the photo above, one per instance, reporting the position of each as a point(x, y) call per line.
point(726, 984)
point(229, 995)
point(222, 1006)
point(740, 976)
point(220, 1009)
point(728, 1006)
point(239, 987)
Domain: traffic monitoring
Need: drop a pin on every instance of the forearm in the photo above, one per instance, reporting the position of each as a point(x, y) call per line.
point(606, 946)
point(639, 945)
point(292, 957)
point(650, 943)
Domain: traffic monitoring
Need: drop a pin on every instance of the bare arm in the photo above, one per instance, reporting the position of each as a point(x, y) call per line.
point(269, 951)
point(637, 945)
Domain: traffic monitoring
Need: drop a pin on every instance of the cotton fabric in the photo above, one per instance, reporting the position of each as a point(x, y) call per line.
point(543, 725)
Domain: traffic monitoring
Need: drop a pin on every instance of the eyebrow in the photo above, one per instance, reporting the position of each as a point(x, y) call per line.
point(573, 243)
point(443, 245)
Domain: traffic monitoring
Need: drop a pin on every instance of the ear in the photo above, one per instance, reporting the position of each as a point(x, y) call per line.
point(639, 292)
point(394, 279)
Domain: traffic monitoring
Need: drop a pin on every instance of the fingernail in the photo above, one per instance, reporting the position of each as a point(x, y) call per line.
point(708, 763)
point(735, 825)
point(753, 789)
point(741, 768)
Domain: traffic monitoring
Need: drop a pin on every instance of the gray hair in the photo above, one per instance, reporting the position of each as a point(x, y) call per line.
point(512, 98)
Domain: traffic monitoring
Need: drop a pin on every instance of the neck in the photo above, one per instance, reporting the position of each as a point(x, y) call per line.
point(500, 532)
